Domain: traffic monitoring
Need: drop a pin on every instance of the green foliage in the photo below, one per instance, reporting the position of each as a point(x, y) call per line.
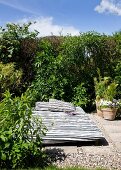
point(49, 81)
point(50, 67)
point(18, 45)
point(118, 79)
point(73, 60)
point(103, 54)
point(77, 68)
point(117, 38)
point(55, 66)
point(80, 96)
point(105, 88)
point(57, 76)
point(10, 38)
point(110, 91)
point(9, 77)
point(100, 87)
point(67, 168)
point(59, 71)
point(20, 133)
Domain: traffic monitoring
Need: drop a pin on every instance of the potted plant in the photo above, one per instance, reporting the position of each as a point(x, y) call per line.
point(105, 90)
point(109, 108)
point(100, 88)
point(107, 104)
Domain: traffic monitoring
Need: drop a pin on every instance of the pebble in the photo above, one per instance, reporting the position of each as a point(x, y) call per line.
point(111, 162)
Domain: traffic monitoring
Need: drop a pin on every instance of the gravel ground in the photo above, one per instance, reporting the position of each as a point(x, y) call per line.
point(81, 158)
point(104, 156)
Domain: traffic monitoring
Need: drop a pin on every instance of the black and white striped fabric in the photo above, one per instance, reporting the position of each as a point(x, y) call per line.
point(65, 122)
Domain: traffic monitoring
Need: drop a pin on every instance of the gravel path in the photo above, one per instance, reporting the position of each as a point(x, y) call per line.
point(104, 156)
point(79, 157)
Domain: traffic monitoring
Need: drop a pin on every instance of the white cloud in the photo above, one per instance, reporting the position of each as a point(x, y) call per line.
point(46, 27)
point(110, 6)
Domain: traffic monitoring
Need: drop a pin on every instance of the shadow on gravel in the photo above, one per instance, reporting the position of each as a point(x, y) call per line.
point(54, 155)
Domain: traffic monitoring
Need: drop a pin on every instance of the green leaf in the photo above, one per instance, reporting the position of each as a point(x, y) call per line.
point(3, 138)
point(7, 145)
point(3, 157)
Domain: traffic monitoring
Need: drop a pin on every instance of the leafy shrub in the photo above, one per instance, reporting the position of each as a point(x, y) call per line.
point(55, 66)
point(20, 133)
point(105, 88)
point(25, 59)
point(110, 91)
point(100, 87)
point(9, 77)
point(100, 52)
point(10, 38)
point(80, 96)
point(118, 79)
point(57, 73)
point(18, 45)
point(76, 69)
point(49, 80)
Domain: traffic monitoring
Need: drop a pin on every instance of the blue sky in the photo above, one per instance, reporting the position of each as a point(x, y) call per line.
point(64, 16)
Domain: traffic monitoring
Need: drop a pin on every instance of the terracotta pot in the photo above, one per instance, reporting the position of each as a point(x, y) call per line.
point(99, 112)
point(109, 113)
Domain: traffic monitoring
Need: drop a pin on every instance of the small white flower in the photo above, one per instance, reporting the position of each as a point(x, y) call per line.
point(114, 103)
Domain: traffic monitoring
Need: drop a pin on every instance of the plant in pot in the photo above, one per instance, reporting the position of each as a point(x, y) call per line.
point(108, 104)
point(100, 88)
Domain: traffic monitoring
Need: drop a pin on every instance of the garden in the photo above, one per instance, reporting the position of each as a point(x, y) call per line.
point(84, 70)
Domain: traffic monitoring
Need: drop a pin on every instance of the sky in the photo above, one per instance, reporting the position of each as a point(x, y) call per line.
point(55, 17)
